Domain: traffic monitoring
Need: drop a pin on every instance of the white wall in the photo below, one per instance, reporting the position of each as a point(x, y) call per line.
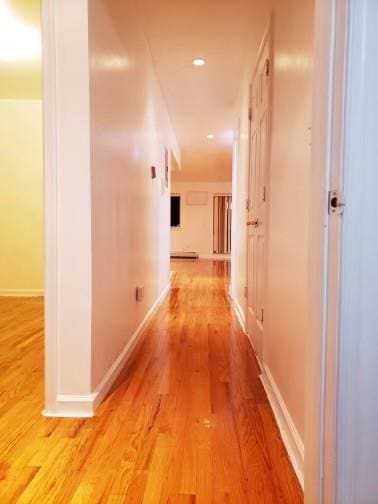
point(196, 231)
point(286, 299)
point(130, 129)
point(67, 206)
point(105, 125)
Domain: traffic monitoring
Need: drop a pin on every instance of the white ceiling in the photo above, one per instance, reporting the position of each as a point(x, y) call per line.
point(200, 100)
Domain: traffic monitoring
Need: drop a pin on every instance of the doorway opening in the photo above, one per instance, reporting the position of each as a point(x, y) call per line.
point(222, 220)
point(22, 215)
point(201, 219)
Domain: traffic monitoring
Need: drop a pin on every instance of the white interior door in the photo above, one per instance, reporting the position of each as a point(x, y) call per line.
point(257, 208)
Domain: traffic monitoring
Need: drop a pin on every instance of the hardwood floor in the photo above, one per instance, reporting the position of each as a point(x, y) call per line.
point(187, 422)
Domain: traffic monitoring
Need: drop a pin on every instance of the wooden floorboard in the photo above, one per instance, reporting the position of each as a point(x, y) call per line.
point(187, 421)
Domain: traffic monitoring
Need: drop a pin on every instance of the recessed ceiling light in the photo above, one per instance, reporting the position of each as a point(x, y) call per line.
point(210, 136)
point(198, 62)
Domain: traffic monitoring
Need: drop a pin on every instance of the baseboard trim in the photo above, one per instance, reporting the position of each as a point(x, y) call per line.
point(290, 437)
point(292, 440)
point(85, 406)
point(184, 255)
point(240, 315)
point(216, 257)
point(121, 360)
point(243, 324)
point(69, 406)
point(21, 293)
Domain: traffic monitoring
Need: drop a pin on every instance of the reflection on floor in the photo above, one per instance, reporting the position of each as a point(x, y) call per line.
point(188, 421)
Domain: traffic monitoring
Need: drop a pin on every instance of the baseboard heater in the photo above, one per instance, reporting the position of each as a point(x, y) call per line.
point(184, 255)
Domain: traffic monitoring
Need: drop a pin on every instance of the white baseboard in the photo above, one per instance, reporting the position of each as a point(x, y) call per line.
point(289, 434)
point(85, 406)
point(216, 257)
point(239, 314)
point(69, 406)
point(21, 292)
point(291, 438)
point(121, 360)
point(243, 324)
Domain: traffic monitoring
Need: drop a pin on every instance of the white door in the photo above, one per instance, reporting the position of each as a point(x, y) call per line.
point(257, 208)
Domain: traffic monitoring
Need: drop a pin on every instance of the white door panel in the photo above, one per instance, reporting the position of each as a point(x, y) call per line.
point(259, 102)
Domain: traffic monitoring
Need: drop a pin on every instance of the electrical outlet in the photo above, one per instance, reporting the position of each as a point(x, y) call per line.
point(139, 293)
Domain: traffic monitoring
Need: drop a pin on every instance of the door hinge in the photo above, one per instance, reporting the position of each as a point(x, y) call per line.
point(262, 314)
point(267, 67)
point(247, 205)
point(245, 291)
point(336, 203)
point(264, 194)
point(250, 114)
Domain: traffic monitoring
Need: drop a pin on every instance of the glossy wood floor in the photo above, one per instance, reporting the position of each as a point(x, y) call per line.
point(188, 422)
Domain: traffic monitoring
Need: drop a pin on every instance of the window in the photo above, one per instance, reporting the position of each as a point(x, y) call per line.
point(175, 210)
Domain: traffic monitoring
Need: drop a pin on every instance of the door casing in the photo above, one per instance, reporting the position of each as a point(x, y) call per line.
point(322, 380)
point(266, 47)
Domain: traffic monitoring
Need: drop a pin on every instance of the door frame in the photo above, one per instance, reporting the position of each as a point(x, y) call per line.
point(267, 39)
point(234, 256)
point(50, 205)
point(322, 380)
point(67, 209)
point(340, 451)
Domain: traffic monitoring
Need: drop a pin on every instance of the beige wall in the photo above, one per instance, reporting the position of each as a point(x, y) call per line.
point(20, 49)
point(196, 231)
point(21, 197)
point(21, 150)
point(286, 302)
point(130, 129)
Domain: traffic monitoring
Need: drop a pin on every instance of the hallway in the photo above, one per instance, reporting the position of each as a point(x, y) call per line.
point(183, 423)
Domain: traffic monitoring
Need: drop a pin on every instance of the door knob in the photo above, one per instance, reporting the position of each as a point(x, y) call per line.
point(253, 223)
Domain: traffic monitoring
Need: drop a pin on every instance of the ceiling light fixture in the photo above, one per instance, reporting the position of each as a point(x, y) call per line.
point(198, 62)
point(210, 136)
